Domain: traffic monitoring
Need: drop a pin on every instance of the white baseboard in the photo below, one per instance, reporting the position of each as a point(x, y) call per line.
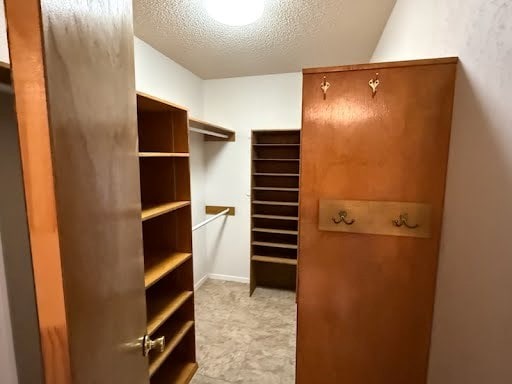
point(200, 282)
point(237, 279)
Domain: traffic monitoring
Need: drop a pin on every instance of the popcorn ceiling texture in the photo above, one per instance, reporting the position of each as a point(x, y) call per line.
point(291, 35)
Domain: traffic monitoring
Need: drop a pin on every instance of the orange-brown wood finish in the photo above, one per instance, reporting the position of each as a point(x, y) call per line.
point(28, 75)
point(365, 301)
point(73, 77)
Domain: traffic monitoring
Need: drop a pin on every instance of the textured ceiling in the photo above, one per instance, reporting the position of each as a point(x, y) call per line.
point(291, 35)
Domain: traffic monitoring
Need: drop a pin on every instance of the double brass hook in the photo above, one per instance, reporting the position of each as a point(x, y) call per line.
point(343, 218)
point(403, 220)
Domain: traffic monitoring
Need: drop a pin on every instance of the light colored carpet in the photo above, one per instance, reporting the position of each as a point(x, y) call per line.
point(242, 339)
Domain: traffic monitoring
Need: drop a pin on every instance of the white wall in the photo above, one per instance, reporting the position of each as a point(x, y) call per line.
point(242, 104)
point(159, 76)
point(4, 50)
point(472, 335)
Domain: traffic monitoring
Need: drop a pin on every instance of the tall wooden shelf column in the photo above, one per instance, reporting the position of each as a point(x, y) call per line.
point(167, 236)
point(274, 208)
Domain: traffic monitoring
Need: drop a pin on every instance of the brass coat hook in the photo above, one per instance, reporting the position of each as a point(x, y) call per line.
point(374, 83)
point(325, 86)
point(343, 218)
point(403, 220)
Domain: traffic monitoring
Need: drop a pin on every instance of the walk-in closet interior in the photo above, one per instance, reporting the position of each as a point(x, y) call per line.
point(255, 192)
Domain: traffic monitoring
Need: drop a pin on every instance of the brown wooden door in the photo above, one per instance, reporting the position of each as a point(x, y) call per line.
point(365, 301)
point(73, 79)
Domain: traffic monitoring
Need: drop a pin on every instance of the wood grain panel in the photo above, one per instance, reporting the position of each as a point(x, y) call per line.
point(373, 66)
point(375, 217)
point(365, 302)
point(214, 209)
point(75, 101)
point(28, 78)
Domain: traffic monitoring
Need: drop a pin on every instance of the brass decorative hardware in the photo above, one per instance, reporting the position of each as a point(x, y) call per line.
point(374, 83)
point(343, 218)
point(148, 344)
point(403, 220)
point(325, 86)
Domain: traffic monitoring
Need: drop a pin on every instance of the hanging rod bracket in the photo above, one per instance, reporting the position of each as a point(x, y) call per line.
point(214, 209)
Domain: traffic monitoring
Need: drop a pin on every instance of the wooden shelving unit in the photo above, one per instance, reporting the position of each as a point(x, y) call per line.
point(167, 236)
point(275, 204)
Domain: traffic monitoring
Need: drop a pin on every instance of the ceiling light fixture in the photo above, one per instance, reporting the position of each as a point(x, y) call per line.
point(235, 12)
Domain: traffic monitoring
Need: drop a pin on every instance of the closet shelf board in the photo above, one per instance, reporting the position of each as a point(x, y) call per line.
point(169, 306)
point(260, 159)
point(157, 210)
point(149, 103)
point(209, 127)
point(169, 347)
point(276, 189)
point(164, 154)
point(278, 231)
point(275, 217)
point(282, 203)
point(274, 260)
point(165, 265)
point(277, 174)
point(276, 145)
point(274, 245)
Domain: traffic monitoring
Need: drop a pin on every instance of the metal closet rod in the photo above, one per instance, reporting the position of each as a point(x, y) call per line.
point(224, 212)
point(205, 132)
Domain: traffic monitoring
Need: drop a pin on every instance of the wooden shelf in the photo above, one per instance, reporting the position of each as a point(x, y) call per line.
point(275, 260)
point(282, 203)
point(276, 231)
point(275, 217)
point(274, 245)
point(276, 145)
point(277, 174)
point(161, 209)
point(163, 154)
point(170, 345)
point(211, 131)
point(276, 189)
point(149, 103)
point(166, 264)
point(276, 159)
point(168, 307)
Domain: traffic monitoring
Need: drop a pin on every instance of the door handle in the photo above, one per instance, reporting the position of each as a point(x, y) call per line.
point(343, 218)
point(403, 219)
point(148, 344)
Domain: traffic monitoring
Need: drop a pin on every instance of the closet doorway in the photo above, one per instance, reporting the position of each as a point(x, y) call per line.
point(121, 252)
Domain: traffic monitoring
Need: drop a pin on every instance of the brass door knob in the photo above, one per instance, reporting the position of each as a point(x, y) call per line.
point(148, 344)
